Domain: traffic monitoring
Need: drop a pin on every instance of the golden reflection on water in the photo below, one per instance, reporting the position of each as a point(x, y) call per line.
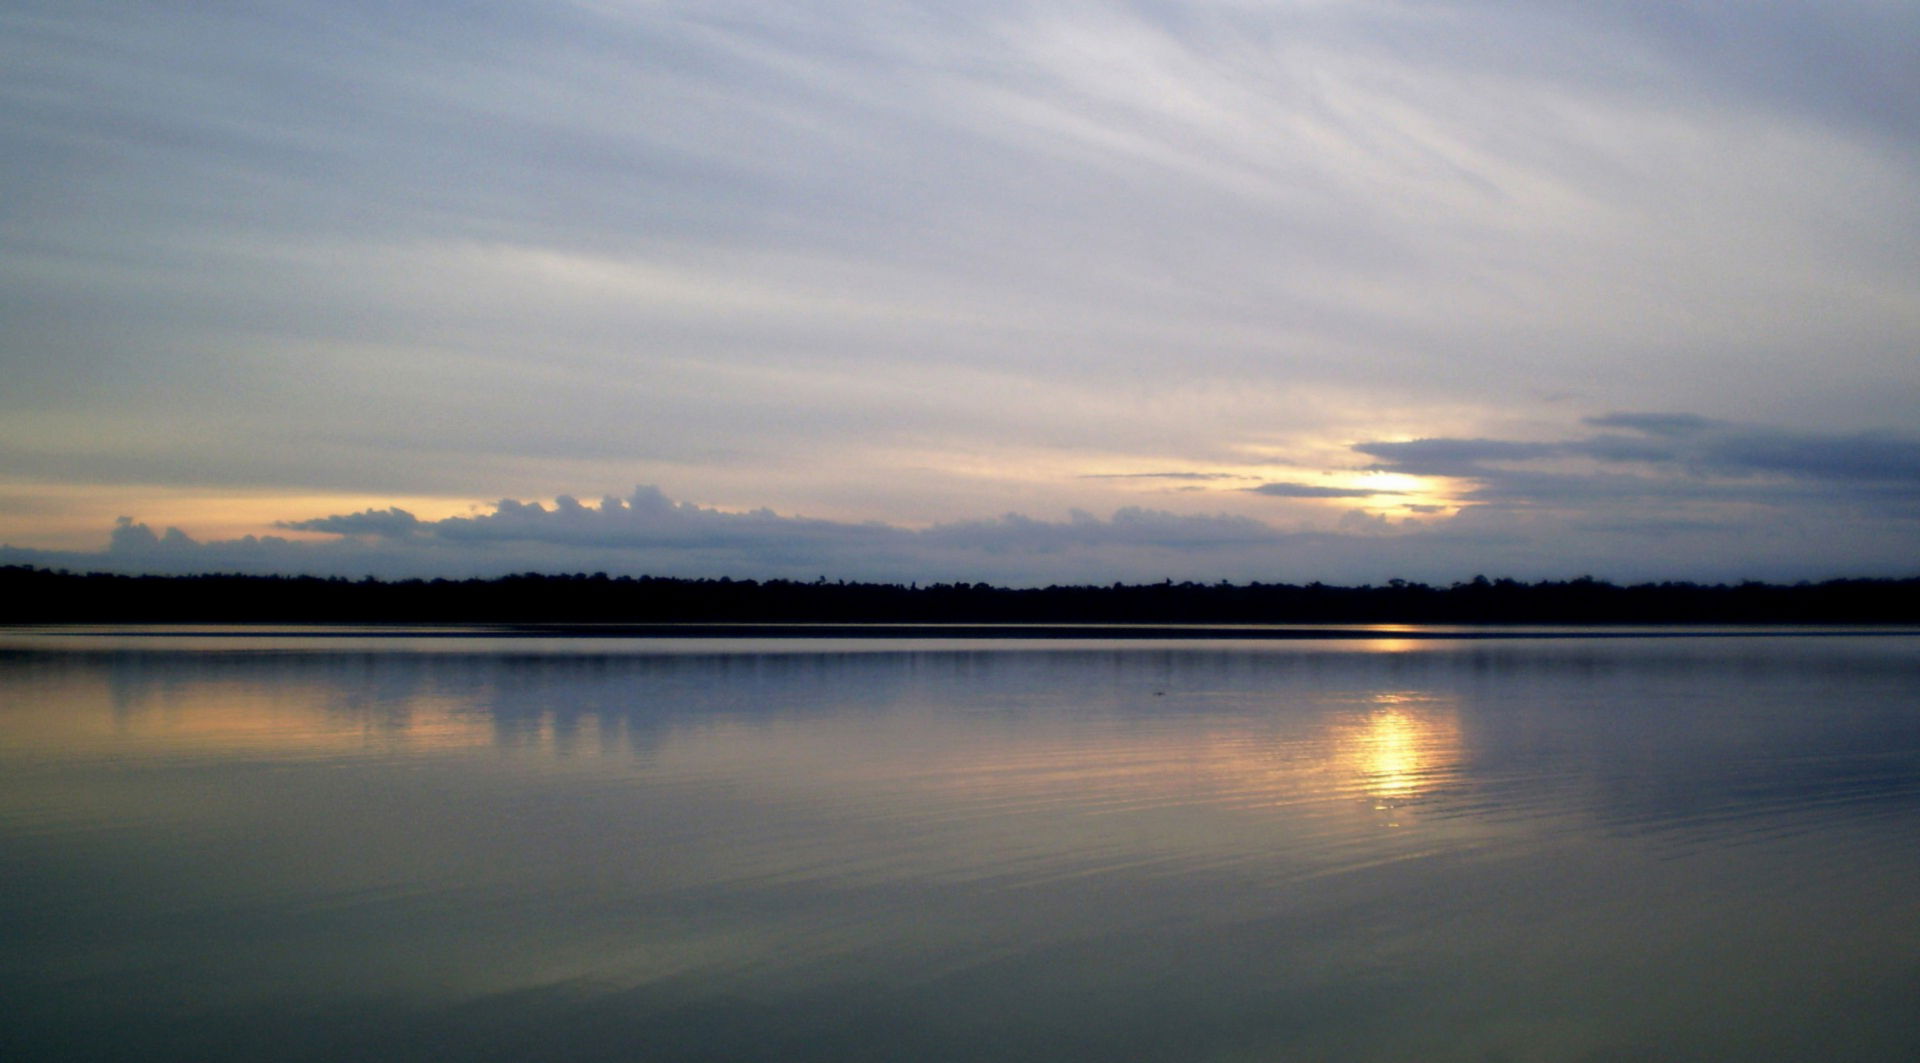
point(88, 715)
point(1402, 747)
point(1389, 749)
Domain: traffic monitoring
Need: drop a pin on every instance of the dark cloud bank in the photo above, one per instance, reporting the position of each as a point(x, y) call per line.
point(1635, 496)
point(1657, 446)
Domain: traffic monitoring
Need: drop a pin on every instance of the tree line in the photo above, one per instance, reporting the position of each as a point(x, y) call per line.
point(36, 595)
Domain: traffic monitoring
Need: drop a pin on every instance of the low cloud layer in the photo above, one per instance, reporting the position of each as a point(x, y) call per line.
point(1632, 496)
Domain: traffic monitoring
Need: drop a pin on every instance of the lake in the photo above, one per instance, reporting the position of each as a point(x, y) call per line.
point(1386, 845)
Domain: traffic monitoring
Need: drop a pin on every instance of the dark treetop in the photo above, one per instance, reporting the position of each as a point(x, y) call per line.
point(33, 595)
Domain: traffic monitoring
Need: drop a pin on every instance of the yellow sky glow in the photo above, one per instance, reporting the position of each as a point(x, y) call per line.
point(81, 516)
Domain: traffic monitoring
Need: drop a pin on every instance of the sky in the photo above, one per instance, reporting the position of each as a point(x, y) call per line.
point(1023, 291)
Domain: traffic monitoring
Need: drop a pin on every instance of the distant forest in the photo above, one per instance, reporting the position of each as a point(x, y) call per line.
point(36, 595)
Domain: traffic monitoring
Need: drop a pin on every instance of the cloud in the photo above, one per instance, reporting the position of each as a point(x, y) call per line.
point(1524, 512)
point(132, 538)
point(647, 532)
point(1158, 476)
point(1833, 62)
point(1452, 457)
point(1658, 424)
point(390, 523)
point(1293, 490)
point(1672, 458)
point(1860, 457)
point(924, 262)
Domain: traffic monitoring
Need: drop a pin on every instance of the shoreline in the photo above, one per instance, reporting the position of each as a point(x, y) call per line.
point(949, 631)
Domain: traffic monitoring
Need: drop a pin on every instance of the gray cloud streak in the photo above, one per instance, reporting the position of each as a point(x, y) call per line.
point(1678, 458)
point(1293, 490)
point(1679, 442)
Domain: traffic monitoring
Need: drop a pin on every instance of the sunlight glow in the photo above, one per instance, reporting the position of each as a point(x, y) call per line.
point(59, 516)
point(1401, 748)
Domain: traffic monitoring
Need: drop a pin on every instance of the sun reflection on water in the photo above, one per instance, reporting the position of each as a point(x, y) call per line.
point(1402, 748)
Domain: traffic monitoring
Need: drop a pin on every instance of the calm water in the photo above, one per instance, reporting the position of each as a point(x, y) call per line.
point(346, 847)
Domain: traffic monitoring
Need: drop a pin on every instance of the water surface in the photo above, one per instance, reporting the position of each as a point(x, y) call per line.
point(342, 845)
